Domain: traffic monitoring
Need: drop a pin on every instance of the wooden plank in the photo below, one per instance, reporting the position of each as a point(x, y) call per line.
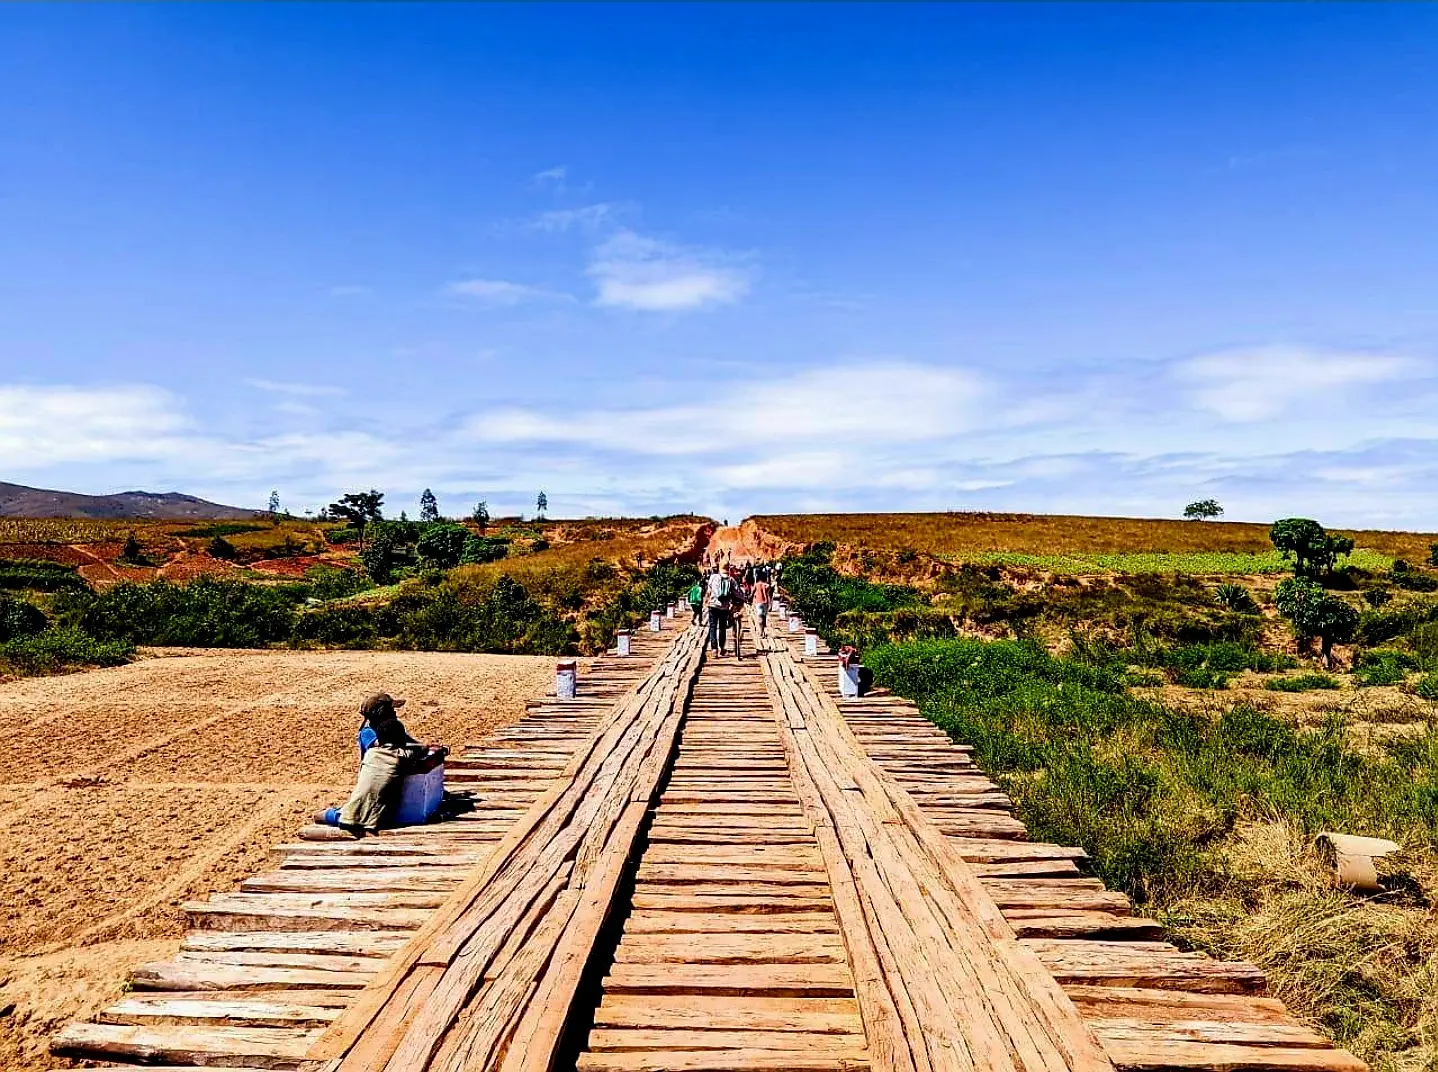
point(796, 1060)
point(272, 1047)
point(176, 975)
point(673, 1040)
point(811, 980)
point(805, 1015)
point(280, 1011)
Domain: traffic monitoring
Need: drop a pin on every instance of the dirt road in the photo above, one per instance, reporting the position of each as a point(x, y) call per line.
point(125, 792)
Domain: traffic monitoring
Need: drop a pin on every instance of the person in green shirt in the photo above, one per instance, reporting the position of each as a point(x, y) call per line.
point(696, 602)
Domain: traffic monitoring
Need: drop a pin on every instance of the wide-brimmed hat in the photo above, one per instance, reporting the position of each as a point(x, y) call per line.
point(379, 703)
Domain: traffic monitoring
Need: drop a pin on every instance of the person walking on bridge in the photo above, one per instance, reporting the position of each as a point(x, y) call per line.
point(761, 599)
point(738, 597)
point(716, 604)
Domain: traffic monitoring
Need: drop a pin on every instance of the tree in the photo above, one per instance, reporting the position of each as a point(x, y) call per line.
point(222, 549)
point(359, 508)
point(441, 545)
point(382, 557)
point(481, 515)
point(1313, 550)
point(274, 506)
point(543, 504)
point(133, 552)
point(1315, 613)
point(1203, 510)
point(428, 507)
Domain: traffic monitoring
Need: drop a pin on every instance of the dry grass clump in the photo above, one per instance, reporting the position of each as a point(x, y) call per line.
point(1365, 969)
point(974, 534)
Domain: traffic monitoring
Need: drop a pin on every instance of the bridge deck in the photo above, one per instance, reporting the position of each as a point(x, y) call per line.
point(697, 866)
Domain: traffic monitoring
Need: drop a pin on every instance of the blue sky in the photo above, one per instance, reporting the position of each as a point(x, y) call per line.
point(726, 259)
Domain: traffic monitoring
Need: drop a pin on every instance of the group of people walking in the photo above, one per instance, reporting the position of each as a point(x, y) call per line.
point(720, 599)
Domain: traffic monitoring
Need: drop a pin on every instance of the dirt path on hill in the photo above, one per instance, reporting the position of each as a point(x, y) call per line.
point(746, 543)
point(131, 790)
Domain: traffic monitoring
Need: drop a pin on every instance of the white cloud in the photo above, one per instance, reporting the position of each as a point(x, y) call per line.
point(858, 433)
point(635, 272)
point(554, 176)
point(1258, 384)
point(498, 291)
point(298, 390)
point(861, 403)
point(46, 425)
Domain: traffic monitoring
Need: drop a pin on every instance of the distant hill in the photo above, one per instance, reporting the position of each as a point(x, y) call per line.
point(16, 500)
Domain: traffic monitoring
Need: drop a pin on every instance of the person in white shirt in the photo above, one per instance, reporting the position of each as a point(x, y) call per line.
point(716, 600)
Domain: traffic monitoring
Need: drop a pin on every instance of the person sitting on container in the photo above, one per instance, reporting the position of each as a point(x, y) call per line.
point(387, 754)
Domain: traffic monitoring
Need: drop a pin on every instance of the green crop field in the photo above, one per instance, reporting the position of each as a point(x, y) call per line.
point(1194, 562)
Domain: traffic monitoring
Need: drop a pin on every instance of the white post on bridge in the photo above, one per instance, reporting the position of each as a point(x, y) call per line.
point(566, 679)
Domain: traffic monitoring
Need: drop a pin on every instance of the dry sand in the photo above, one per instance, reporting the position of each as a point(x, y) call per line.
point(125, 792)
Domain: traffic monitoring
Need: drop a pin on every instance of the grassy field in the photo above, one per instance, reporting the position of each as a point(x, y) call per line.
point(1188, 746)
point(1207, 815)
point(1054, 537)
point(1216, 563)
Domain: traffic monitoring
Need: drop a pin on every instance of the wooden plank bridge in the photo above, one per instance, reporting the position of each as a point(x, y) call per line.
point(698, 866)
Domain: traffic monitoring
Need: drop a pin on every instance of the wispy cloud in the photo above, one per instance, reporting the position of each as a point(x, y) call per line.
point(1258, 384)
point(500, 291)
point(632, 271)
point(349, 290)
point(584, 218)
point(297, 390)
point(902, 402)
point(552, 177)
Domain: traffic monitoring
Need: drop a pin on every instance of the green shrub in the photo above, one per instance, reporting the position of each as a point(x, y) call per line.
point(1224, 655)
point(55, 649)
point(221, 529)
point(19, 618)
point(1302, 683)
point(204, 613)
point(1405, 576)
point(344, 627)
point(504, 619)
point(478, 549)
point(1394, 621)
point(342, 535)
point(1144, 679)
point(1383, 666)
point(1236, 598)
point(1202, 677)
point(821, 593)
point(1427, 687)
point(327, 582)
point(440, 545)
point(40, 575)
